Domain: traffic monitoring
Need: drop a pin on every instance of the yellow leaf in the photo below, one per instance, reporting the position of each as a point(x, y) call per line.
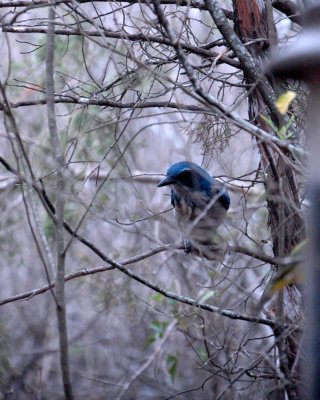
point(284, 101)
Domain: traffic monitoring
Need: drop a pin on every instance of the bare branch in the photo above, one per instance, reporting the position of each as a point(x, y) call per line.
point(198, 4)
point(257, 132)
point(289, 8)
point(157, 348)
point(167, 293)
point(60, 250)
point(251, 66)
point(139, 37)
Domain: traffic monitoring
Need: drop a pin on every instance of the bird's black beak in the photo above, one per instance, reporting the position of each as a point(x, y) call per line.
point(166, 181)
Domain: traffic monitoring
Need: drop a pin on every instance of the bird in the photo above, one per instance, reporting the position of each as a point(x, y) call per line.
point(200, 203)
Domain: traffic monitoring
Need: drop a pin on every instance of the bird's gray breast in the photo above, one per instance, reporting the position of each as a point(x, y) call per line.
point(198, 215)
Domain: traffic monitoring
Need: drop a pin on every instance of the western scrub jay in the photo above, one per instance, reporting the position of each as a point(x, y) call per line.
point(200, 202)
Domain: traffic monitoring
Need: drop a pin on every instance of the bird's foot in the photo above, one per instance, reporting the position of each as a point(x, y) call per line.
point(211, 251)
point(187, 246)
point(190, 247)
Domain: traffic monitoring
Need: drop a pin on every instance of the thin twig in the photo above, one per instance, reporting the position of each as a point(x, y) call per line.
point(138, 371)
point(255, 131)
point(137, 37)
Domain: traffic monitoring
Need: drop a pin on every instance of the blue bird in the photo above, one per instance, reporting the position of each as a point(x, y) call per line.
point(200, 202)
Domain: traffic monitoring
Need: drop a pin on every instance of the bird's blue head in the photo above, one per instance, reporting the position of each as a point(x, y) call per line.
point(190, 175)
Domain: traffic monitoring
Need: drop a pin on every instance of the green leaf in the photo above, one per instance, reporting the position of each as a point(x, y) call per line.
point(206, 296)
point(283, 133)
point(159, 327)
point(150, 340)
point(268, 120)
point(157, 297)
point(202, 353)
point(172, 365)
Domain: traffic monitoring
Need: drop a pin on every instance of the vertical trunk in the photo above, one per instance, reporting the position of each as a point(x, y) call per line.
point(254, 22)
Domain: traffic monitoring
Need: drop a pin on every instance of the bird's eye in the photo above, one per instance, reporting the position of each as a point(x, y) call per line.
point(185, 178)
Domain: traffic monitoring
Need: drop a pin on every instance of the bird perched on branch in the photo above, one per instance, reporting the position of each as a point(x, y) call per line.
point(200, 202)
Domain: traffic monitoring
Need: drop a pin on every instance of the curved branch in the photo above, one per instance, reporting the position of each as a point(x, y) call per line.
point(167, 293)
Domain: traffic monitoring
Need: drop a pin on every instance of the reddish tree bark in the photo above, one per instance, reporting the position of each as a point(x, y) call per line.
point(254, 22)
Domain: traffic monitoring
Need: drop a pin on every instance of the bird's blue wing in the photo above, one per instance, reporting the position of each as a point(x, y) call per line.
point(221, 193)
point(225, 199)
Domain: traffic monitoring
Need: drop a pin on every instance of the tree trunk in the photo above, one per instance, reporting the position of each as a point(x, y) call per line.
point(254, 22)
